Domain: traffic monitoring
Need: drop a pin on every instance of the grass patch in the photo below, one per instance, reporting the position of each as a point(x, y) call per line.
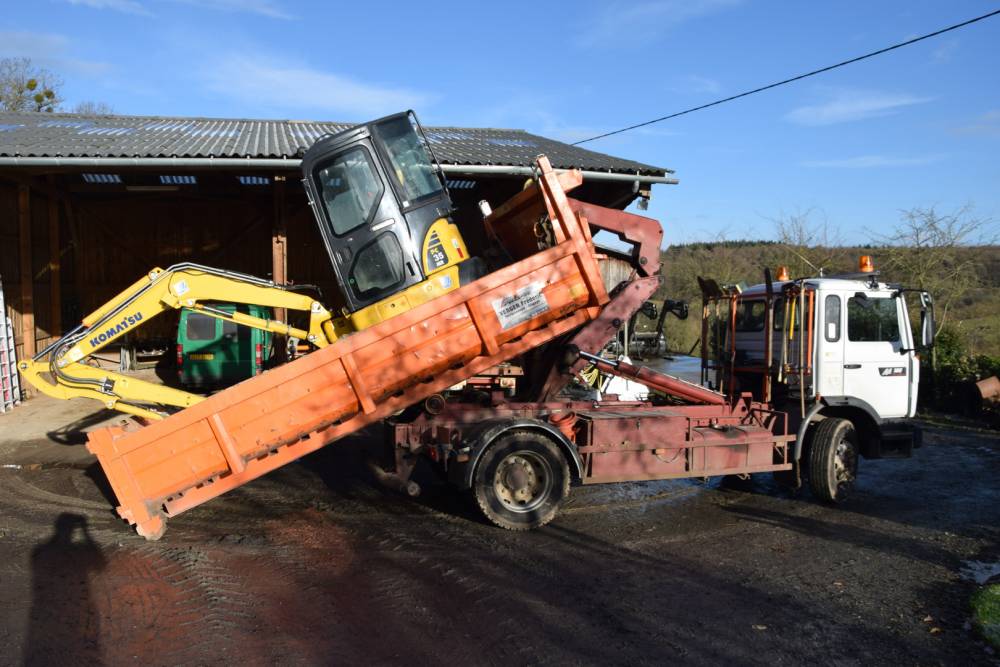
point(986, 613)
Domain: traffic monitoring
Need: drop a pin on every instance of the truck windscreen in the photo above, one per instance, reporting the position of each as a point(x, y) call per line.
point(872, 319)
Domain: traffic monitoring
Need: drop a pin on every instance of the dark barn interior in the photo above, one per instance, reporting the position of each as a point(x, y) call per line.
point(89, 204)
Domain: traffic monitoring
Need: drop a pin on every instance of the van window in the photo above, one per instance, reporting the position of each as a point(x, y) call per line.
point(200, 327)
point(750, 316)
point(779, 314)
point(230, 329)
point(872, 319)
point(831, 317)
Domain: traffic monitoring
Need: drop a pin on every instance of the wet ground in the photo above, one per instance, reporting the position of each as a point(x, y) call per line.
point(316, 564)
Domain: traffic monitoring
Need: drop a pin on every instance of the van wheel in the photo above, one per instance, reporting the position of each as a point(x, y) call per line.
point(521, 480)
point(833, 460)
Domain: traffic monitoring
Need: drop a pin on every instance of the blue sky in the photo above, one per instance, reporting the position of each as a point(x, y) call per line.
point(917, 127)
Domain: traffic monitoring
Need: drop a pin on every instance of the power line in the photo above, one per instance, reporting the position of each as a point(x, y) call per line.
point(794, 78)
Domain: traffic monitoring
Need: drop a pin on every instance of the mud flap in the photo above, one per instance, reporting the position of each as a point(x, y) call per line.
point(897, 442)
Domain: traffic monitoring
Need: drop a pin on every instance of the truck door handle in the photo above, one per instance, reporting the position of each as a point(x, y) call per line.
point(852, 365)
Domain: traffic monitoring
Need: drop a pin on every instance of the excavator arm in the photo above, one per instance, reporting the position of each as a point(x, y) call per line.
point(61, 370)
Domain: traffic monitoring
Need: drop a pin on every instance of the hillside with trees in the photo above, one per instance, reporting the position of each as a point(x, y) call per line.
point(968, 308)
point(952, 255)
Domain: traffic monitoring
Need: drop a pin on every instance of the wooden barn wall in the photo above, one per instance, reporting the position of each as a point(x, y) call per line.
point(41, 263)
point(10, 258)
point(121, 239)
point(308, 262)
point(107, 241)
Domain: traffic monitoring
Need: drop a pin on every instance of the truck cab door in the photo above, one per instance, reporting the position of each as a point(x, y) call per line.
point(876, 369)
point(830, 346)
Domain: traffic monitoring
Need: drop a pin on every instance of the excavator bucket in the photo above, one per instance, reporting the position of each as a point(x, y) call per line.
point(164, 468)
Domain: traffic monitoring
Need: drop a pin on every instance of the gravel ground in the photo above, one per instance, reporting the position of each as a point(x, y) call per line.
point(316, 564)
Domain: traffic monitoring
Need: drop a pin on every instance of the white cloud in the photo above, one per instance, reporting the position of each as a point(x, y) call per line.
point(49, 50)
point(532, 111)
point(545, 113)
point(658, 130)
point(127, 6)
point(984, 125)
point(844, 106)
point(944, 53)
point(642, 21)
point(266, 8)
point(873, 161)
point(693, 83)
point(260, 83)
point(25, 43)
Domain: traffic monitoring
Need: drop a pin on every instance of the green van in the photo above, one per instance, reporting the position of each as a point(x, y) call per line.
point(213, 352)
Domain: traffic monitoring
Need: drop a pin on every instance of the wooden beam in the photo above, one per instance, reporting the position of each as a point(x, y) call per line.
point(39, 184)
point(279, 241)
point(27, 275)
point(55, 259)
point(72, 225)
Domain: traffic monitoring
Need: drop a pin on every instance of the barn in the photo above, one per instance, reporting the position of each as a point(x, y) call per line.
point(88, 204)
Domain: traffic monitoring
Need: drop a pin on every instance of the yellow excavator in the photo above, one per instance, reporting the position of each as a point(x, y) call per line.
point(383, 209)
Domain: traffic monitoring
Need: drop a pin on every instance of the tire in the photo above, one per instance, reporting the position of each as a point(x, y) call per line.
point(833, 460)
point(521, 480)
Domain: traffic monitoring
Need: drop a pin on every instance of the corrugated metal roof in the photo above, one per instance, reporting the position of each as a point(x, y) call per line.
point(73, 135)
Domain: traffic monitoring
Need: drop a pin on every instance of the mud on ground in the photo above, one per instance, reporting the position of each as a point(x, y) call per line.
point(316, 564)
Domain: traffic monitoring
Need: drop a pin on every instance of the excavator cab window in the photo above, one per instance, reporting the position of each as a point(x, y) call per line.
point(412, 169)
point(378, 267)
point(351, 190)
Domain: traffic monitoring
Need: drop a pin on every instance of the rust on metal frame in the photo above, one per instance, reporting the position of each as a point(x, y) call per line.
point(645, 233)
point(631, 441)
point(596, 334)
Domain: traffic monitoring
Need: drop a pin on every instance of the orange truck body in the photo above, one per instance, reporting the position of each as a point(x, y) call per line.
point(161, 469)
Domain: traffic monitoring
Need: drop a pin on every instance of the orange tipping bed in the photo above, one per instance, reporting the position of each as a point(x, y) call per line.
point(248, 430)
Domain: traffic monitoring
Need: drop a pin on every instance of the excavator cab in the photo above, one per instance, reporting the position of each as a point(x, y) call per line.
point(383, 210)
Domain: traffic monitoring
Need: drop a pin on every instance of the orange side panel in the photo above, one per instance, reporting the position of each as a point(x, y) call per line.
point(258, 425)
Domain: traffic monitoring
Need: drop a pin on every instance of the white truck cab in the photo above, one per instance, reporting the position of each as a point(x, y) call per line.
point(837, 348)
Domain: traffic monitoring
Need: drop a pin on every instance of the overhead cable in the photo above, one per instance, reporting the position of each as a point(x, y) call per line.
point(794, 78)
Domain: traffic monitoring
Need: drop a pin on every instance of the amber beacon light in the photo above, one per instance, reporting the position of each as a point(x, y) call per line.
point(865, 264)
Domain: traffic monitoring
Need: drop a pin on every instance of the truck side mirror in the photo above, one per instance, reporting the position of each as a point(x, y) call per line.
point(927, 328)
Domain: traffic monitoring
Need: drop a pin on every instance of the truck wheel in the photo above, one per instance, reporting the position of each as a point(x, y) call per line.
point(833, 460)
point(521, 480)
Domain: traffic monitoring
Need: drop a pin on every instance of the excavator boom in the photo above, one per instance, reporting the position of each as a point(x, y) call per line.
point(60, 370)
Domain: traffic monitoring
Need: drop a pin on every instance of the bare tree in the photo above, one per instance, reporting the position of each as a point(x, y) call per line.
point(808, 242)
point(26, 87)
point(928, 250)
point(93, 108)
